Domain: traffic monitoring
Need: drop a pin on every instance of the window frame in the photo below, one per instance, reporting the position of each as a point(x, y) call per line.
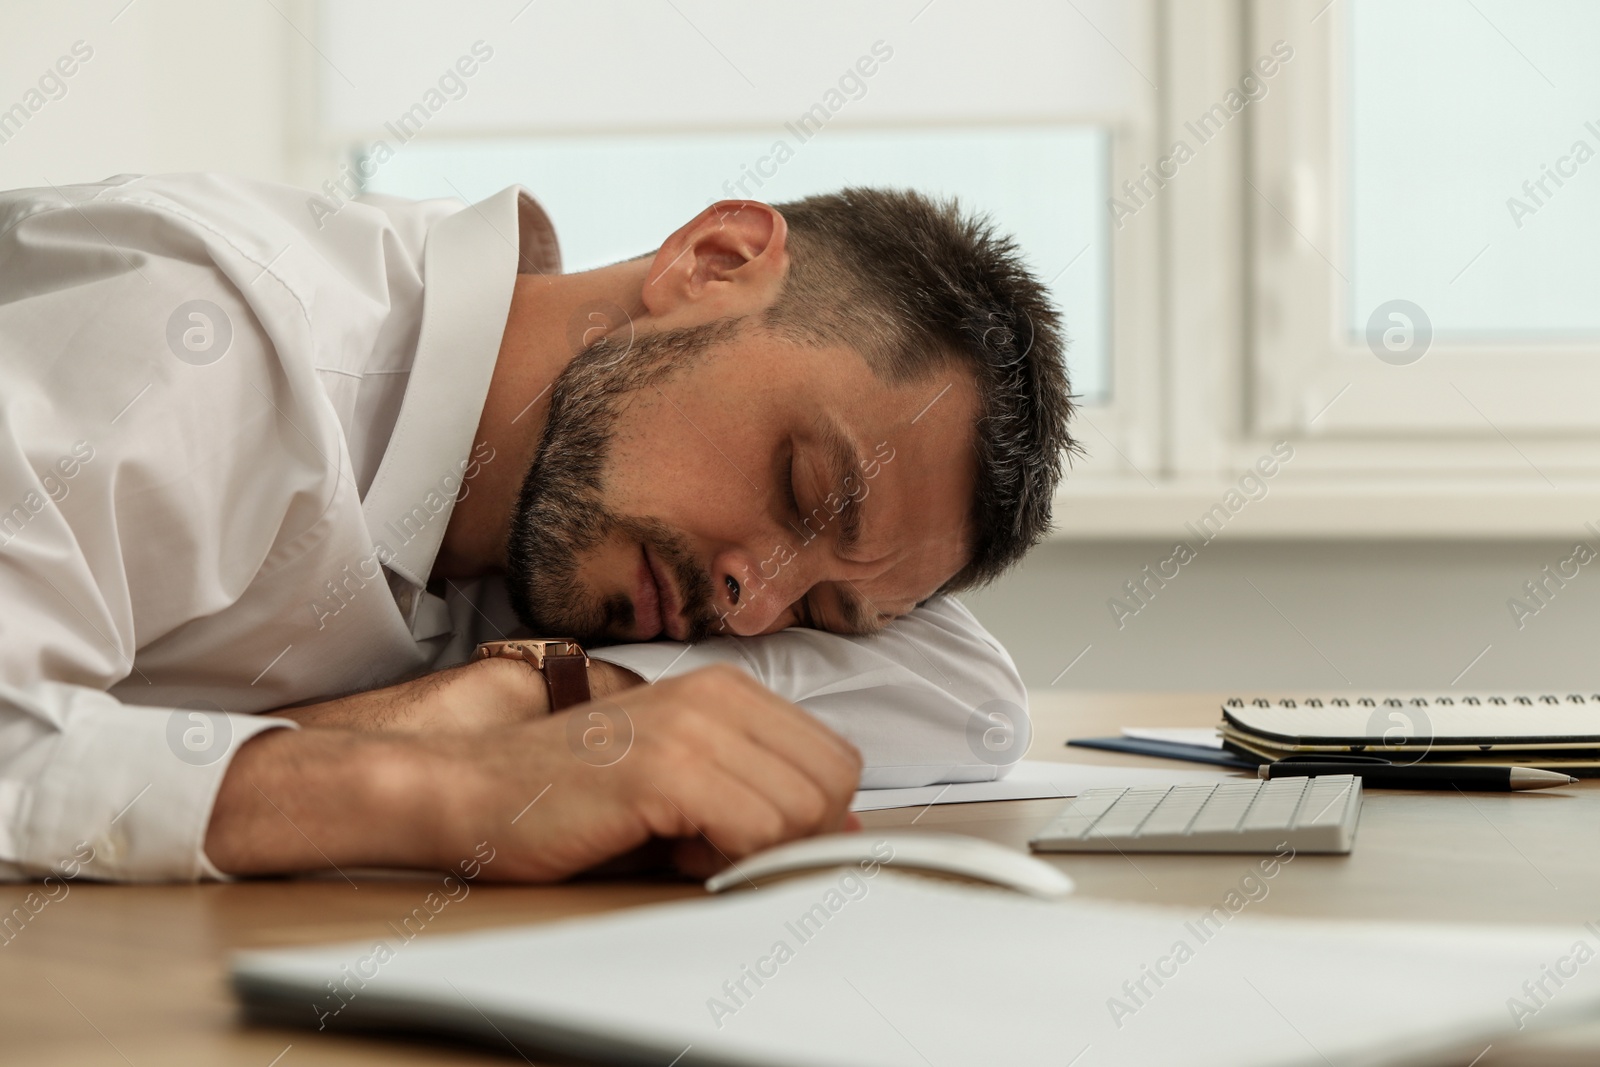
point(1304, 355)
point(1252, 349)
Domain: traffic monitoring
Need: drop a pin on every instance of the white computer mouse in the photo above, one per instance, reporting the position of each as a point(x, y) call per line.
point(942, 854)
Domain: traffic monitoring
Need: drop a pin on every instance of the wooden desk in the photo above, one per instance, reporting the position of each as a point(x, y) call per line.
point(122, 975)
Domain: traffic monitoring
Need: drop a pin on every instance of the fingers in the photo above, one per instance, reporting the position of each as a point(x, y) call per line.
point(804, 805)
point(733, 818)
point(768, 714)
point(697, 858)
point(782, 729)
point(710, 756)
point(743, 767)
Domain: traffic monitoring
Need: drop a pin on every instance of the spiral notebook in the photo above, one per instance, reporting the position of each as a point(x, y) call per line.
point(1558, 731)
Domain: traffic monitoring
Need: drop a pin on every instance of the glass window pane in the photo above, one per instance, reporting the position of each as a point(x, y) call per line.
point(612, 196)
point(1474, 130)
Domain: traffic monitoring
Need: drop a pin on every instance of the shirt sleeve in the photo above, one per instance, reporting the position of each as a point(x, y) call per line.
point(103, 543)
point(90, 786)
point(93, 788)
point(933, 698)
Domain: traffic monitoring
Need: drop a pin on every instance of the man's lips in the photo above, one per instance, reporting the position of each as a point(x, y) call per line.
point(656, 607)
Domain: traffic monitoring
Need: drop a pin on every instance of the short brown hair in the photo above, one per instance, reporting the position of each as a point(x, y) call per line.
point(915, 284)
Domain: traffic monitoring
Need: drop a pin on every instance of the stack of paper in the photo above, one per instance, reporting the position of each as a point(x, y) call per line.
point(891, 970)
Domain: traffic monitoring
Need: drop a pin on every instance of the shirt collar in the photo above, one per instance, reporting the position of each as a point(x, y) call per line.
point(470, 263)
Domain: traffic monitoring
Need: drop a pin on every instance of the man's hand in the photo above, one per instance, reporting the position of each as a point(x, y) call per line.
point(710, 760)
point(473, 696)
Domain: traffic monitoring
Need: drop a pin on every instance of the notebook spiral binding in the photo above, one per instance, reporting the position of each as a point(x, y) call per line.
point(1419, 702)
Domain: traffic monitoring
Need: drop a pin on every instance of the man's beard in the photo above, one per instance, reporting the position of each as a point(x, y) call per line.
point(560, 514)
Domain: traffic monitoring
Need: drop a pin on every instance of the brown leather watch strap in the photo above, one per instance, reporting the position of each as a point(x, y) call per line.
point(561, 660)
point(568, 678)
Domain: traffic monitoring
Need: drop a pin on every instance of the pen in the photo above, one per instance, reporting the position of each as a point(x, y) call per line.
point(1423, 776)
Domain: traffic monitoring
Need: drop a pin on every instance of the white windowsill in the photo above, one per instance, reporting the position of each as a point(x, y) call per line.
point(1114, 509)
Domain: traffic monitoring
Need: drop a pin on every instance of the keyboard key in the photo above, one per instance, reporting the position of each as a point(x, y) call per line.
point(1309, 814)
point(1126, 816)
point(1324, 802)
point(1083, 812)
point(1174, 814)
point(1275, 808)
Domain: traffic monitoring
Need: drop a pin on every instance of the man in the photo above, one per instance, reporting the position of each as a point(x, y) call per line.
point(259, 459)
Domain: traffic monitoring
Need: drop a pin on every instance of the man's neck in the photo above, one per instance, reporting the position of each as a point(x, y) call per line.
point(536, 347)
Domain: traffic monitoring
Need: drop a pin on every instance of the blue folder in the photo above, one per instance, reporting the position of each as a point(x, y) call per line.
point(1139, 746)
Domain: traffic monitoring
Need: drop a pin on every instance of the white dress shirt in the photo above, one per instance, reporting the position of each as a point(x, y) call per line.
point(230, 441)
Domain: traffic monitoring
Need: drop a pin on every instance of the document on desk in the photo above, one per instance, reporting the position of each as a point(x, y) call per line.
point(1030, 780)
point(896, 970)
point(1204, 736)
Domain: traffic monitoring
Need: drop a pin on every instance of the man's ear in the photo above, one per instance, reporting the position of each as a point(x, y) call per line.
point(728, 261)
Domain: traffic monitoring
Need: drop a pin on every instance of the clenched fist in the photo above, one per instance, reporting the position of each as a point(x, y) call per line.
point(711, 759)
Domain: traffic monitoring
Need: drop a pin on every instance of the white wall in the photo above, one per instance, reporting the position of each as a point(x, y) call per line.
point(628, 65)
point(171, 85)
point(1390, 614)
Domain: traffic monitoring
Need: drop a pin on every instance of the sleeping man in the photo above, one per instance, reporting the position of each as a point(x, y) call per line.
point(361, 538)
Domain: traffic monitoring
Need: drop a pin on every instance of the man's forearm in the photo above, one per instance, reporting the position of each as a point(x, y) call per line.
point(372, 782)
point(300, 800)
point(711, 759)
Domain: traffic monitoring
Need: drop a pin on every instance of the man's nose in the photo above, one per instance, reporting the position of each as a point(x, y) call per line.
point(750, 592)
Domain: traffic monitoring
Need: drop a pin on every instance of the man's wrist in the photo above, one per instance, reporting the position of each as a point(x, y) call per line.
point(517, 688)
point(608, 679)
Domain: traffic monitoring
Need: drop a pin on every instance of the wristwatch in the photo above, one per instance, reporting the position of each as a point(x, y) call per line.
point(562, 661)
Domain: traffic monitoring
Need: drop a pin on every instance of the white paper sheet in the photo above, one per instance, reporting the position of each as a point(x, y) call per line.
point(1030, 780)
point(1209, 736)
point(893, 970)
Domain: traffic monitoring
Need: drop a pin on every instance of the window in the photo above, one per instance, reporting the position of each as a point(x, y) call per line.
point(1345, 265)
point(1421, 213)
point(1470, 188)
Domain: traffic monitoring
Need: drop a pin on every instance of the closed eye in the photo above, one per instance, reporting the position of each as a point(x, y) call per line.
point(801, 608)
point(788, 486)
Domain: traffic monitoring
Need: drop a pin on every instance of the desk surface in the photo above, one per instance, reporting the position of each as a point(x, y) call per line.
point(136, 975)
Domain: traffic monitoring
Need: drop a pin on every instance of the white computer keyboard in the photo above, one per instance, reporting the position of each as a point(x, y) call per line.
point(1307, 814)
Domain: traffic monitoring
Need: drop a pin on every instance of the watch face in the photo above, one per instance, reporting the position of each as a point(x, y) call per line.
point(536, 648)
